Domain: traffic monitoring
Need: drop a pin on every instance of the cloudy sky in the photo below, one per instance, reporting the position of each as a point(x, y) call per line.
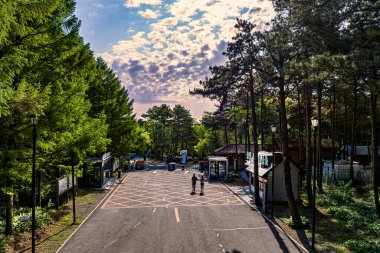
point(161, 49)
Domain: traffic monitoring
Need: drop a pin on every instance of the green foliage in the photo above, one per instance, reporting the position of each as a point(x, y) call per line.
point(339, 194)
point(342, 212)
point(42, 218)
point(304, 220)
point(339, 201)
point(363, 246)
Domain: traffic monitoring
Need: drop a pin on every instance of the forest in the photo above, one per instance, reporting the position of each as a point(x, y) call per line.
point(315, 59)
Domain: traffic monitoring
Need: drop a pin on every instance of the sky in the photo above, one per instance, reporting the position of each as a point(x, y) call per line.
point(161, 49)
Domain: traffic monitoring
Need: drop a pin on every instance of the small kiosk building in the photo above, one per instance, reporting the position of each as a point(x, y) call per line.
point(217, 168)
point(265, 177)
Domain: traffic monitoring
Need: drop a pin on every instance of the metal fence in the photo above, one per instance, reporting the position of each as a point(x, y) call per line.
point(341, 172)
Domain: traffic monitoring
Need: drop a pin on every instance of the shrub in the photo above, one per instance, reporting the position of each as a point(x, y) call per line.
point(3, 238)
point(359, 222)
point(305, 222)
point(235, 175)
point(42, 218)
point(363, 246)
point(374, 229)
point(342, 193)
point(325, 200)
point(3, 241)
point(342, 212)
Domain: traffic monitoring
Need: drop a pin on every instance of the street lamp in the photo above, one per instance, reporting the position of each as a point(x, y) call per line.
point(314, 122)
point(273, 128)
point(73, 185)
point(34, 121)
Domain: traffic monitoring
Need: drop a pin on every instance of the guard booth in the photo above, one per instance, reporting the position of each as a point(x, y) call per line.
point(217, 168)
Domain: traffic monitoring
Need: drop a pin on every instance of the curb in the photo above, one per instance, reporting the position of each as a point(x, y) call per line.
point(101, 202)
point(265, 217)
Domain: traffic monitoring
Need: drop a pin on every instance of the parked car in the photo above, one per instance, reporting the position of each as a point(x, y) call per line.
point(140, 165)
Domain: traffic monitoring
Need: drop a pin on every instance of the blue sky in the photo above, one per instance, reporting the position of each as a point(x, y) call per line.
point(161, 49)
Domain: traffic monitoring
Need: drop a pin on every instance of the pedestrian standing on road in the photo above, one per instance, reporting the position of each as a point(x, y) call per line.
point(194, 182)
point(202, 185)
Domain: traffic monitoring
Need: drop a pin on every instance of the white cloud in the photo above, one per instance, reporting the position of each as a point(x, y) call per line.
point(148, 13)
point(93, 14)
point(137, 3)
point(162, 64)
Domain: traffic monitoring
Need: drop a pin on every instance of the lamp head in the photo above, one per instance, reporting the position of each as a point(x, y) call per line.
point(34, 119)
point(273, 128)
point(315, 121)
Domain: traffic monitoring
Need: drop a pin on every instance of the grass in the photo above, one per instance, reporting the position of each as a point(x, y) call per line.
point(51, 237)
point(346, 219)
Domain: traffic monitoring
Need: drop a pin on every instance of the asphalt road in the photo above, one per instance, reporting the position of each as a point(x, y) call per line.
point(153, 211)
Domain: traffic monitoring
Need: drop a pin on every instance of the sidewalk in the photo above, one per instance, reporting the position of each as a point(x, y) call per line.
point(242, 191)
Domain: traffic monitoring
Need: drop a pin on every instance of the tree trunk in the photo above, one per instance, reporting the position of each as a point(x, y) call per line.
point(236, 149)
point(284, 141)
point(225, 135)
point(333, 131)
point(309, 153)
point(353, 130)
point(262, 108)
point(247, 126)
point(254, 136)
point(345, 153)
point(375, 144)
point(8, 207)
point(39, 178)
point(319, 161)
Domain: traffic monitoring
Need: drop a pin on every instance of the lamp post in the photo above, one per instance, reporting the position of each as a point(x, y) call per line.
point(314, 122)
point(273, 128)
point(34, 121)
point(73, 186)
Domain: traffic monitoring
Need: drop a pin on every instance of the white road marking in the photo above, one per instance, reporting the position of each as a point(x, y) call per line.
point(186, 172)
point(224, 250)
point(154, 172)
point(221, 245)
point(167, 205)
point(176, 214)
point(137, 225)
point(154, 210)
point(228, 200)
point(233, 229)
point(109, 244)
point(163, 198)
point(217, 235)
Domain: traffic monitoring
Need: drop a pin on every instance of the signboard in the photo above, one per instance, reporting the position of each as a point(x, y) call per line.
point(65, 183)
point(183, 154)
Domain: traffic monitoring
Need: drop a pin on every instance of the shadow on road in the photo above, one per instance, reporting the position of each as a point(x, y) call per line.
point(279, 239)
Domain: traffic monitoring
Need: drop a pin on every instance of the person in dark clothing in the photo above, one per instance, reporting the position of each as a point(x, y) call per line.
point(193, 181)
point(202, 185)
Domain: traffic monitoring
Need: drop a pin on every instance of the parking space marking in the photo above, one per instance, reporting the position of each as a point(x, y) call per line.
point(137, 225)
point(117, 188)
point(176, 214)
point(234, 229)
point(167, 189)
